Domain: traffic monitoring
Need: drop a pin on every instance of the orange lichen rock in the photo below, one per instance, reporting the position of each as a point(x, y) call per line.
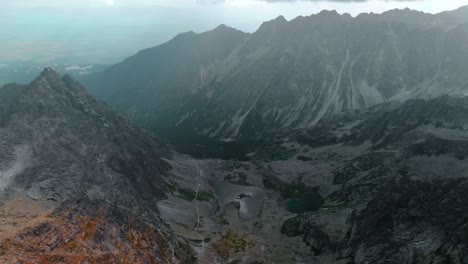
point(232, 242)
point(86, 233)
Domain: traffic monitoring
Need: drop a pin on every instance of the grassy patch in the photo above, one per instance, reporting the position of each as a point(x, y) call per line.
point(205, 196)
point(190, 195)
point(186, 194)
point(236, 242)
point(288, 190)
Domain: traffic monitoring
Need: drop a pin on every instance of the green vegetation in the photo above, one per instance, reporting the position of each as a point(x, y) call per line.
point(237, 243)
point(205, 196)
point(190, 195)
point(186, 194)
point(288, 190)
point(171, 186)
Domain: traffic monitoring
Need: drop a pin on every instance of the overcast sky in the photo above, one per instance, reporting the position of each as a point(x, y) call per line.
point(107, 31)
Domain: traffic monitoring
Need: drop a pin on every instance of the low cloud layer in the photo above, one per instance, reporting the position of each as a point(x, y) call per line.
point(291, 1)
point(341, 1)
point(107, 31)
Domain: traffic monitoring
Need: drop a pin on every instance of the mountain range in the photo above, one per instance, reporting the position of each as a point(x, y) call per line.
point(227, 85)
point(326, 139)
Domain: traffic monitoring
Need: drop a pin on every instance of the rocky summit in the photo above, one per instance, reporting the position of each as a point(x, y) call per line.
point(79, 184)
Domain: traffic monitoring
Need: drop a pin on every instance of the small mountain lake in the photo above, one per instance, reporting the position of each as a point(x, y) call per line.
point(250, 198)
point(309, 201)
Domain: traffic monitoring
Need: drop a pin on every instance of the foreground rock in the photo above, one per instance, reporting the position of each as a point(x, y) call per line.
point(60, 146)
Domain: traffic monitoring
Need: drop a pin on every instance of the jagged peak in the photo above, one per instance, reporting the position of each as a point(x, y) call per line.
point(184, 35)
point(325, 15)
point(328, 13)
point(50, 76)
point(460, 9)
point(55, 80)
point(223, 29)
point(274, 23)
point(280, 19)
point(405, 11)
point(49, 72)
point(277, 20)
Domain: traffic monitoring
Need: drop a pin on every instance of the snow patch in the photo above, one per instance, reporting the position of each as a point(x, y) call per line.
point(22, 161)
point(238, 120)
point(216, 132)
point(332, 98)
point(370, 95)
point(78, 68)
point(183, 118)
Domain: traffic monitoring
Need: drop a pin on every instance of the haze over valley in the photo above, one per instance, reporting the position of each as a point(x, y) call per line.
point(234, 132)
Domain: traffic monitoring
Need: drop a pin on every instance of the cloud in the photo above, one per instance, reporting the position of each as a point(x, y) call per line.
point(290, 1)
point(341, 1)
point(31, 50)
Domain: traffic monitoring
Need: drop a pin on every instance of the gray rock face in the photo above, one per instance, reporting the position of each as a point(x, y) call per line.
point(401, 192)
point(67, 143)
point(391, 181)
point(228, 85)
point(59, 144)
point(382, 185)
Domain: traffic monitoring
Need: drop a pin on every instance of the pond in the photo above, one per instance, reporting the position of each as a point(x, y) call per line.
point(249, 198)
point(309, 201)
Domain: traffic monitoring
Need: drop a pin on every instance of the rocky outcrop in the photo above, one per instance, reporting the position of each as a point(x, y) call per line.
point(399, 196)
point(83, 231)
point(60, 146)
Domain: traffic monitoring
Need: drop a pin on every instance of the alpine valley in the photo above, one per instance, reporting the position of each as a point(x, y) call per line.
point(324, 139)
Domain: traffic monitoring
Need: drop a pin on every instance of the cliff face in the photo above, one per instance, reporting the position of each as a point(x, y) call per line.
point(93, 175)
point(399, 174)
point(382, 185)
point(288, 74)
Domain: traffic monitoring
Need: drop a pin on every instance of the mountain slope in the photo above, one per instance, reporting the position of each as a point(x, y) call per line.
point(398, 177)
point(161, 77)
point(60, 146)
point(288, 74)
point(381, 185)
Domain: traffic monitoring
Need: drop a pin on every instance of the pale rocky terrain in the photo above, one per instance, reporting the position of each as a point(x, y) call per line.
point(391, 184)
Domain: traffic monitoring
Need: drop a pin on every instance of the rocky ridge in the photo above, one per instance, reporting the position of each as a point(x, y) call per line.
point(227, 85)
point(94, 176)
